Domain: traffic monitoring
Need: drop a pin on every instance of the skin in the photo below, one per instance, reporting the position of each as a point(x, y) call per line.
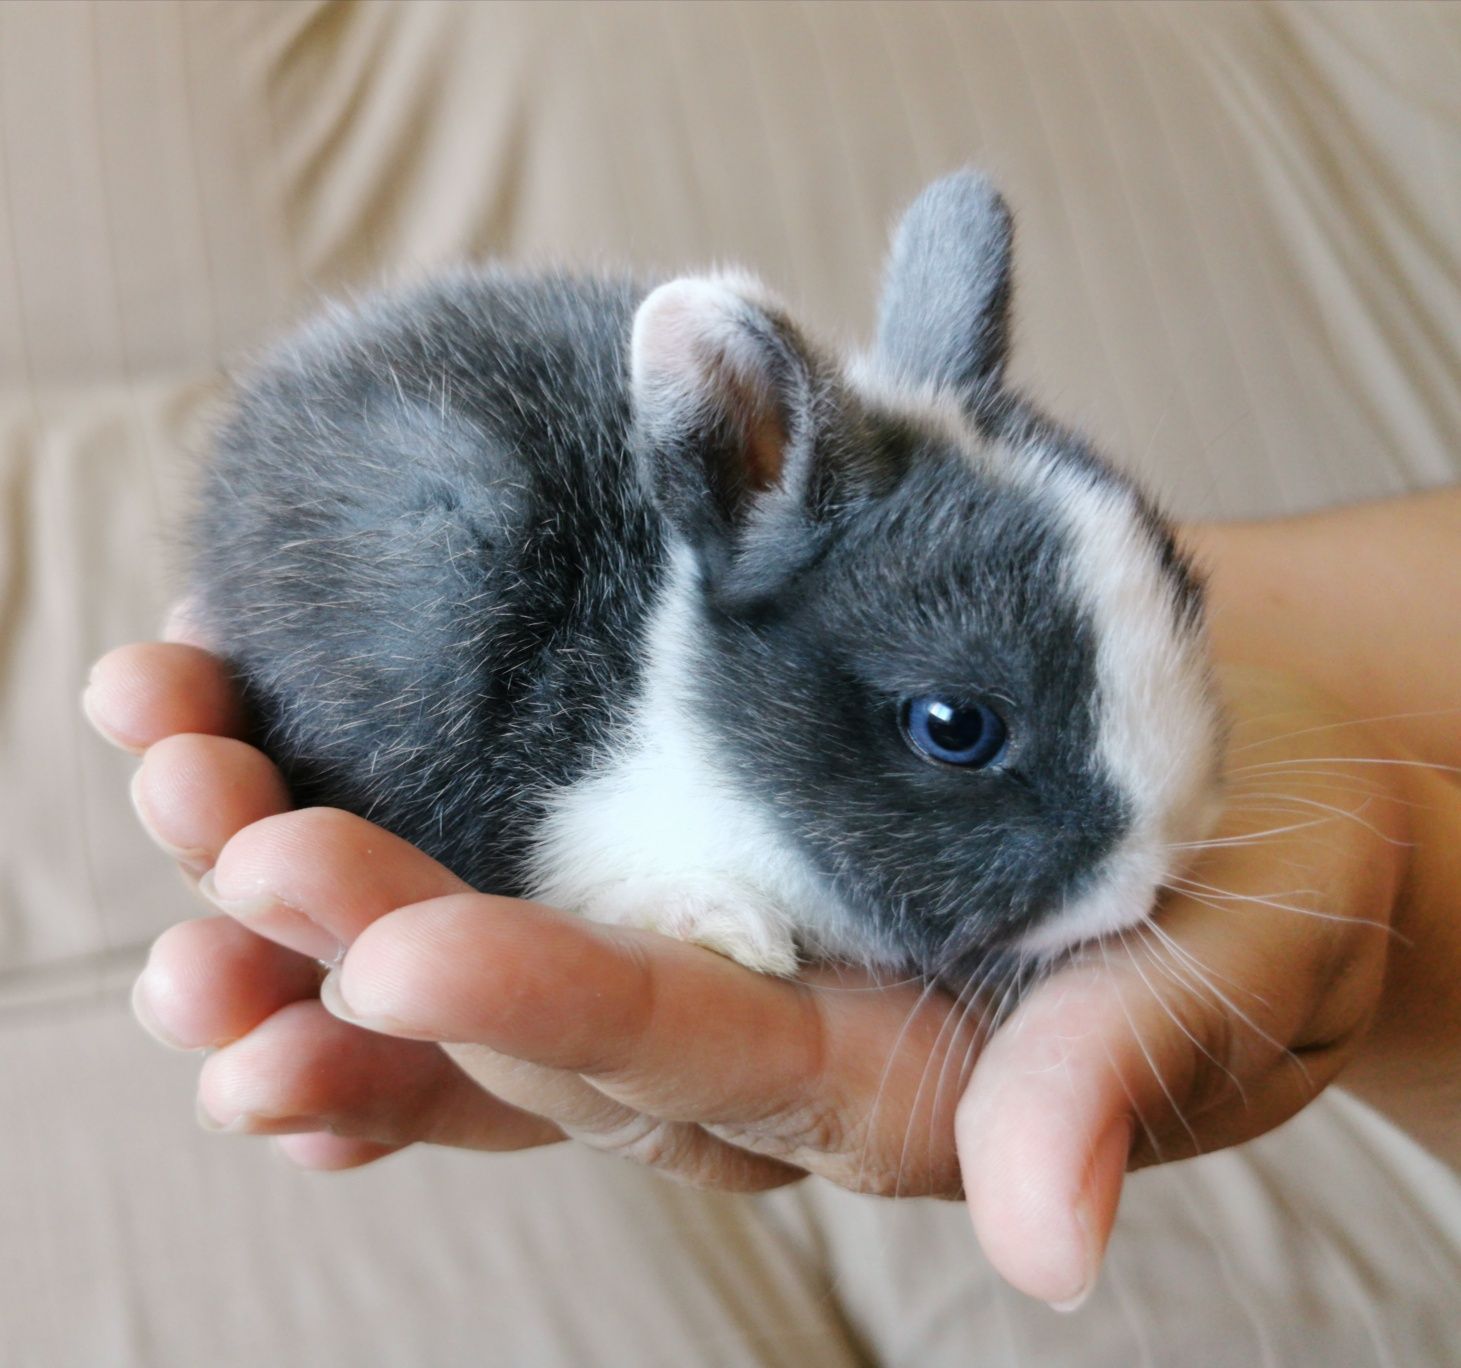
point(1317, 942)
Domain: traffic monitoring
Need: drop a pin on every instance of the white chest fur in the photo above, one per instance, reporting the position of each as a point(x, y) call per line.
point(657, 837)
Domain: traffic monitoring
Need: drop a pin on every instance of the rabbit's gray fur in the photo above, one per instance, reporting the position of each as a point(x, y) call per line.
point(611, 597)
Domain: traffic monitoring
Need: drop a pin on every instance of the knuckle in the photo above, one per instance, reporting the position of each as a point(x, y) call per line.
point(641, 1139)
point(1221, 1050)
point(1214, 1063)
point(883, 1181)
point(807, 1134)
point(901, 1164)
point(689, 1154)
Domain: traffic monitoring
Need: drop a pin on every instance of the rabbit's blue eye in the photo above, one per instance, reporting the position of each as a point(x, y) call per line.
point(968, 734)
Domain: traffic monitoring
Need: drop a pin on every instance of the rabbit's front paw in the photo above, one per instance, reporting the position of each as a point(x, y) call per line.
point(731, 920)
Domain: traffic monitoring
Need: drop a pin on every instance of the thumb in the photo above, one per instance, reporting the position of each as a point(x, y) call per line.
point(1101, 1070)
point(1044, 1133)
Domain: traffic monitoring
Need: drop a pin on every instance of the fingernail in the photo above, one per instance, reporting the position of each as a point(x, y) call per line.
point(332, 999)
point(88, 710)
point(253, 1123)
point(191, 858)
point(147, 1019)
point(1079, 1300)
point(277, 920)
point(217, 1125)
point(1096, 1207)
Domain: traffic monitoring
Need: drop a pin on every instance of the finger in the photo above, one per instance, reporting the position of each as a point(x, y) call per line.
point(846, 1084)
point(208, 982)
point(322, 1152)
point(314, 878)
point(677, 1149)
point(1047, 1126)
point(193, 793)
point(302, 1070)
point(140, 693)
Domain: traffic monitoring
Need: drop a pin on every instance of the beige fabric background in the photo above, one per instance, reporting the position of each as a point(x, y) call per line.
point(1239, 266)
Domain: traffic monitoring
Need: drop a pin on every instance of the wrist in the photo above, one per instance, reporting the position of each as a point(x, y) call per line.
point(1409, 1067)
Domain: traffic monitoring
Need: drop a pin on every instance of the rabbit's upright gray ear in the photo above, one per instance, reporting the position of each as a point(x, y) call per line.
point(944, 316)
point(722, 386)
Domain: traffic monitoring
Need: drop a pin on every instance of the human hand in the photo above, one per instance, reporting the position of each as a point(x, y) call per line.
point(1214, 1024)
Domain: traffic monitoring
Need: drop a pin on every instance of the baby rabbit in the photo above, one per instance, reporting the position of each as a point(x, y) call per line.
point(638, 602)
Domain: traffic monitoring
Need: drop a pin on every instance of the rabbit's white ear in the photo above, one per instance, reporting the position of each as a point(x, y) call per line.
point(712, 355)
point(944, 315)
point(721, 387)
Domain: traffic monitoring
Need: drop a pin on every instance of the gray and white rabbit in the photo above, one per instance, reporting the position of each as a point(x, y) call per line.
point(637, 602)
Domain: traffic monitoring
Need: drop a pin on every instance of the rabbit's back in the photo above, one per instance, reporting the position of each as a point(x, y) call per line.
point(422, 545)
